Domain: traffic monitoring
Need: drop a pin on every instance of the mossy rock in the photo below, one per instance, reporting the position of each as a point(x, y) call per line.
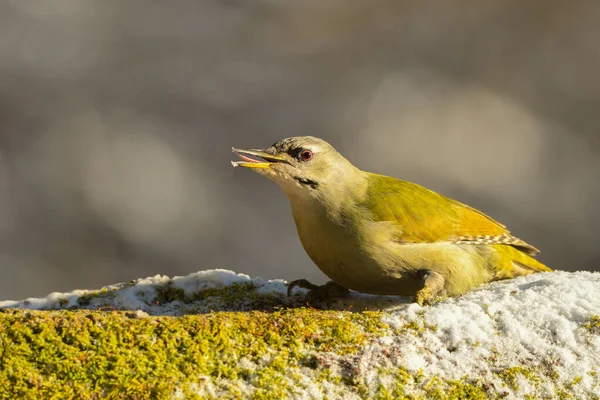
point(175, 347)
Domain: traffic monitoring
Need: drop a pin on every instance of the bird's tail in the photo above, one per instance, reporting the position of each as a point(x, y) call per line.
point(514, 262)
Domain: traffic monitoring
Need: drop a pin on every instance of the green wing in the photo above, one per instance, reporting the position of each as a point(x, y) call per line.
point(424, 216)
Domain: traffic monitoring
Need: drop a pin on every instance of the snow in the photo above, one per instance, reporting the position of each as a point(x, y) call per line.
point(136, 294)
point(537, 318)
point(537, 322)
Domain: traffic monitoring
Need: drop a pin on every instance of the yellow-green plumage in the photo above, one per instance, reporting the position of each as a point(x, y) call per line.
point(422, 216)
point(381, 235)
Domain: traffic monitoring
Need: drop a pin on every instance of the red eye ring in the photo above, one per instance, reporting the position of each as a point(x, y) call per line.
point(306, 155)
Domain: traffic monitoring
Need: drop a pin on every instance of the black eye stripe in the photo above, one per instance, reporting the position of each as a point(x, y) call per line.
point(302, 154)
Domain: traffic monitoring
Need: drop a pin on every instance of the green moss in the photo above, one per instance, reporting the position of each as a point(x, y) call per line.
point(457, 390)
point(401, 378)
point(416, 327)
point(88, 354)
point(105, 293)
point(414, 386)
point(593, 326)
point(511, 376)
point(406, 384)
point(562, 394)
point(168, 293)
point(244, 296)
point(239, 296)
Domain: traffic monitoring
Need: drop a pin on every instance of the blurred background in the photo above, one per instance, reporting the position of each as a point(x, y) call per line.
point(117, 118)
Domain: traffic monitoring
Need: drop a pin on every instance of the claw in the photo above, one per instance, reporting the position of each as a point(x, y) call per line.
point(302, 283)
point(318, 293)
point(423, 297)
point(433, 287)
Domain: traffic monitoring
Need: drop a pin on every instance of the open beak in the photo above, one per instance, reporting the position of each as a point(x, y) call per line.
point(255, 158)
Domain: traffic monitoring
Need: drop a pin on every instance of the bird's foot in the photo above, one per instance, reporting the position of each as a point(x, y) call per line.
point(433, 288)
point(424, 297)
point(319, 293)
point(301, 283)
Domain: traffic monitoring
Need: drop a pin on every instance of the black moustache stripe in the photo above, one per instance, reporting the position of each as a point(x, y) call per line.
point(308, 182)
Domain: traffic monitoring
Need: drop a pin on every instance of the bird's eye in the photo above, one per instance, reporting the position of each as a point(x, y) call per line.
point(306, 155)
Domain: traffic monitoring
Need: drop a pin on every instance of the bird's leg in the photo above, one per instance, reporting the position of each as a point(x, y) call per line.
point(328, 290)
point(433, 286)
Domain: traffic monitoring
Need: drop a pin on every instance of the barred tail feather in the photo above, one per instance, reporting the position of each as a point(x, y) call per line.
point(514, 262)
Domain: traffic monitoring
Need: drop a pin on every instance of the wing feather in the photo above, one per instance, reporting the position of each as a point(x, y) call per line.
point(423, 216)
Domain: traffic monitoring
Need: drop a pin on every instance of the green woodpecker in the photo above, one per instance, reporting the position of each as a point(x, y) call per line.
point(376, 234)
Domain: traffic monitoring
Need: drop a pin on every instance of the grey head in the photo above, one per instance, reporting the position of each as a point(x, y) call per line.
point(297, 164)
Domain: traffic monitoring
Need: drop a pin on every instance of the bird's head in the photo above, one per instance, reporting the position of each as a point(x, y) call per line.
point(299, 165)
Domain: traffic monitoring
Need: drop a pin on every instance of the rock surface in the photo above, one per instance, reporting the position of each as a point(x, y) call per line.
point(217, 334)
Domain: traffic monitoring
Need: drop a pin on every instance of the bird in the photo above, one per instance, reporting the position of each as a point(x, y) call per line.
point(376, 234)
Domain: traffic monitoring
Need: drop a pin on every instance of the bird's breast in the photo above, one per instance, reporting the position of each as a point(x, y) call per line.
point(328, 243)
point(339, 246)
